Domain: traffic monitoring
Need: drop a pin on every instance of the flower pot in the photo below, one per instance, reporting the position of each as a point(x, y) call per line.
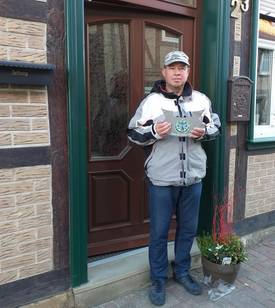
point(227, 273)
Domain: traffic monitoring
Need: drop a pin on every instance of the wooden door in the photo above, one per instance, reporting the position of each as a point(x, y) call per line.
point(125, 49)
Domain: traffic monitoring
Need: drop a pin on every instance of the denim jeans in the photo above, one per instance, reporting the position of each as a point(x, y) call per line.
point(164, 201)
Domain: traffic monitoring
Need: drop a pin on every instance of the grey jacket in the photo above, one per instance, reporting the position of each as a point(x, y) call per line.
point(173, 160)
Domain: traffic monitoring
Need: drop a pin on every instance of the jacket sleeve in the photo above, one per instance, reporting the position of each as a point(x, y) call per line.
point(212, 124)
point(141, 127)
point(212, 129)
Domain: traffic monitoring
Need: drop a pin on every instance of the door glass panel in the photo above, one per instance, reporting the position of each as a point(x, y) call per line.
point(158, 42)
point(192, 3)
point(109, 84)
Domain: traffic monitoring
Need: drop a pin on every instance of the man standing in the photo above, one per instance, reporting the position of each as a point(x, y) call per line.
point(174, 167)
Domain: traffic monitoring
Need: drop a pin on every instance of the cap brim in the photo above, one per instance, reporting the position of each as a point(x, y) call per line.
point(175, 61)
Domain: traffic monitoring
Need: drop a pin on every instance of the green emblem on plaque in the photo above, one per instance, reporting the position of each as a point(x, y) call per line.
point(182, 126)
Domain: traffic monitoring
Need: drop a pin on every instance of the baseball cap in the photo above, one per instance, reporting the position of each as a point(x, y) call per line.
point(176, 56)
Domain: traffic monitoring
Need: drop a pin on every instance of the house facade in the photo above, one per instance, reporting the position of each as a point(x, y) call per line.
point(71, 75)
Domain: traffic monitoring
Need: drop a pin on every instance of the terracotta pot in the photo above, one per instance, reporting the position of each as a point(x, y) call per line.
point(227, 273)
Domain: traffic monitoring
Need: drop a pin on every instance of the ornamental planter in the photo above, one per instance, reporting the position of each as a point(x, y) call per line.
point(227, 273)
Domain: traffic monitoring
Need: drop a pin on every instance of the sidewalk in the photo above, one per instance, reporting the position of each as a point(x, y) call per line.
point(254, 287)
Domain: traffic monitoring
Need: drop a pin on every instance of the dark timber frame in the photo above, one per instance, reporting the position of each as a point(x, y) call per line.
point(24, 9)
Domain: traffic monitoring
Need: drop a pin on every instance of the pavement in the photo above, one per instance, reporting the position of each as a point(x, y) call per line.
point(253, 288)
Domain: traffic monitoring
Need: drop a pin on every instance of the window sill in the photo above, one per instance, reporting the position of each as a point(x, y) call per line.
point(261, 144)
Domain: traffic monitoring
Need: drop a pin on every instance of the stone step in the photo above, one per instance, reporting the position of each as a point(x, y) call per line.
point(117, 275)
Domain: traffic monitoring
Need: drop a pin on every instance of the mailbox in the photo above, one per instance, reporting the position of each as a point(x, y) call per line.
point(239, 98)
point(25, 73)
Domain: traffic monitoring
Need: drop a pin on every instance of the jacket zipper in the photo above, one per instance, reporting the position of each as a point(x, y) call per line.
point(178, 105)
point(182, 139)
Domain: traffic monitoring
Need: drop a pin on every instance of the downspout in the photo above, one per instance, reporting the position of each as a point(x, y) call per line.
point(214, 70)
point(77, 138)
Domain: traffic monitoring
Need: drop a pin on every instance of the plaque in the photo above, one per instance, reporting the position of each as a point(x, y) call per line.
point(182, 126)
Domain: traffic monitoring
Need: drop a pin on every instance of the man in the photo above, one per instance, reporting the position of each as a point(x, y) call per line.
point(174, 167)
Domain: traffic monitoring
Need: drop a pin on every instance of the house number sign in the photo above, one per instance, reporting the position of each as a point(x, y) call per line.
point(239, 6)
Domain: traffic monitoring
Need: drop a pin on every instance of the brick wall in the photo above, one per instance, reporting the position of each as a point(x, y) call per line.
point(25, 222)
point(23, 112)
point(22, 40)
point(26, 230)
point(260, 193)
point(23, 117)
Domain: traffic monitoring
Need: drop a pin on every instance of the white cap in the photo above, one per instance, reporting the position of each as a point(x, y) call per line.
point(176, 56)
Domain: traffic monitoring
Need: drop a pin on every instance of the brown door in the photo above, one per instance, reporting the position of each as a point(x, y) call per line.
point(125, 49)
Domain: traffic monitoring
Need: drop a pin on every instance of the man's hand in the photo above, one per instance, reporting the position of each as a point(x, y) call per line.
point(162, 129)
point(197, 132)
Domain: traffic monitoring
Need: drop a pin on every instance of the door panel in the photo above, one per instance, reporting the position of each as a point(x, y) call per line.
point(125, 50)
point(105, 186)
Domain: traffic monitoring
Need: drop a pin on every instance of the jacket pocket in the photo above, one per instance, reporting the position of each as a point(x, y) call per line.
point(196, 162)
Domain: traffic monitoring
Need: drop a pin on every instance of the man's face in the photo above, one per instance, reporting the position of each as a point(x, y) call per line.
point(175, 74)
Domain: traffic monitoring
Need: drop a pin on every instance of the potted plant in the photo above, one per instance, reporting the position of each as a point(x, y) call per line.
point(222, 251)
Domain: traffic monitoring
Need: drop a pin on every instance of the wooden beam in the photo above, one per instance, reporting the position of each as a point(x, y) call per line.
point(23, 157)
point(24, 9)
point(30, 289)
point(58, 127)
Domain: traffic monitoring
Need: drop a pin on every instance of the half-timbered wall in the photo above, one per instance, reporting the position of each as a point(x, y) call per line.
point(25, 205)
point(251, 178)
point(33, 157)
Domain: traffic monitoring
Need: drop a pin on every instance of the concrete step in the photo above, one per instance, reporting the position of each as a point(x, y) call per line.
point(117, 275)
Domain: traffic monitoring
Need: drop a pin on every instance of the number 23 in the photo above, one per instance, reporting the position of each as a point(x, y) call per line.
point(240, 4)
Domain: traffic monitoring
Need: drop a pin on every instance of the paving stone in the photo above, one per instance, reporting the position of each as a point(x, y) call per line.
point(254, 286)
point(243, 300)
point(108, 305)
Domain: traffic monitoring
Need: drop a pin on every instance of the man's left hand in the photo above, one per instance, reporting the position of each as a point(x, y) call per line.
point(197, 132)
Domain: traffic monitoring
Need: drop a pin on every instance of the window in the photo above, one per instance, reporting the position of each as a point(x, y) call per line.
point(264, 121)
point(158, 42)
point(262, 72)
point(109, 81)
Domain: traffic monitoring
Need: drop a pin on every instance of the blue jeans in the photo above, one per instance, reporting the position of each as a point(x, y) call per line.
point(164, 201)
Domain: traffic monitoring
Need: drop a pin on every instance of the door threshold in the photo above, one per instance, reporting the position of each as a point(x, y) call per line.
point(111, 277)
point(115, 256)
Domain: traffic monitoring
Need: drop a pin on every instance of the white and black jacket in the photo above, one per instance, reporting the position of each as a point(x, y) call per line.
point(173, 160)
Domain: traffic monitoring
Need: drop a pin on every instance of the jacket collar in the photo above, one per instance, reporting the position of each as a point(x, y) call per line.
point(160, 87)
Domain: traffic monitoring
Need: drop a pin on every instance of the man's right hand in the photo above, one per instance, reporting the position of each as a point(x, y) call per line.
point(162, 129)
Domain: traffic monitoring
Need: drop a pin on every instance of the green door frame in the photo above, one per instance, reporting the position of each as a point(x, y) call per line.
point(213, 81)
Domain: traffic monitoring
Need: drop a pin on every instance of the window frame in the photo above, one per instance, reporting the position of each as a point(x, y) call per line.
point(183, 4)
point(256, 143)
point(265, 129)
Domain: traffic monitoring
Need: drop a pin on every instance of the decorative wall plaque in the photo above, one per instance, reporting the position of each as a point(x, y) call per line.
point(239, 98)
point(236, 65)
point(238, 29)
